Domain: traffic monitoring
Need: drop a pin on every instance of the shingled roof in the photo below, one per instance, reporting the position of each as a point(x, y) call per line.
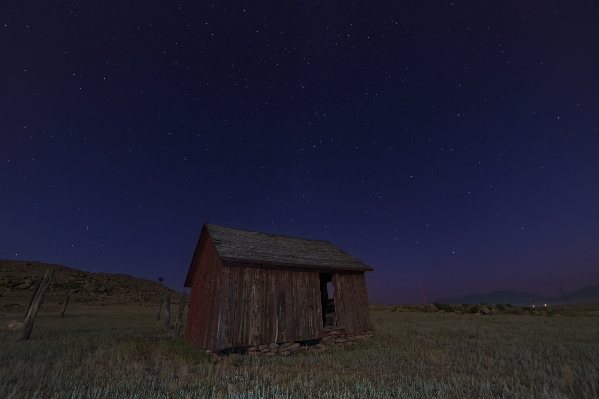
point(252, 247)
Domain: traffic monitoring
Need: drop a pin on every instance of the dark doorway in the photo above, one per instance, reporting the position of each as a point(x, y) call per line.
point(327, 299)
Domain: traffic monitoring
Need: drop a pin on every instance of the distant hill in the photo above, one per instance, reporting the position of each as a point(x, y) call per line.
point(22, 276)
point(585, 295)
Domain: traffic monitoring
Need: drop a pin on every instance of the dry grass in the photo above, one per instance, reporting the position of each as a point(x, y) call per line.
point(20, 278)
point(117, 351)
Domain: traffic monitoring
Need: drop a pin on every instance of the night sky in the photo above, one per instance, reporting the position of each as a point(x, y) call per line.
point(455, 141)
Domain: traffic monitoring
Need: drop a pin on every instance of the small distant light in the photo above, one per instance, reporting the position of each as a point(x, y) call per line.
point(545, 304)
point(533, 306)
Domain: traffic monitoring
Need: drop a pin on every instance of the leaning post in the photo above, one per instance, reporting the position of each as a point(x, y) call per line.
point(167, 311)
point(180, 314)
point(64, 307)
point(37, 287)
point(35, 305)
point(159, 309)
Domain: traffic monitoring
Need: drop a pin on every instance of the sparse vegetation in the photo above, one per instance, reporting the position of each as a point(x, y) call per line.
point(98, 351)
point(21, 276)
point(121, 351)
point(444, 307)
point(474, 309)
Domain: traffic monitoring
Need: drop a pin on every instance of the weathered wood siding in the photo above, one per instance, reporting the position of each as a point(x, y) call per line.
point(263, 305)
point(204, 303)
point(351, 302)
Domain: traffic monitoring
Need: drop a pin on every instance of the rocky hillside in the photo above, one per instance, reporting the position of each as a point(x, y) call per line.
point(22, 277)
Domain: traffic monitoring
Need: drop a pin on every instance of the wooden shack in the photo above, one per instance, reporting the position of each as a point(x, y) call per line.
point(250, 288)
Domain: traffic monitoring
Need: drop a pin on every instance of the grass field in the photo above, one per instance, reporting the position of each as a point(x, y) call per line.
point(119, 352)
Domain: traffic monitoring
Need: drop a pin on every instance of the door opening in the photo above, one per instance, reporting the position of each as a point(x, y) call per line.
point(327, 300)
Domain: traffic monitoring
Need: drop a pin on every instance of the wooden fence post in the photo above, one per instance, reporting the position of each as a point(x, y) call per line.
point(64, 307)
point(36, 304)
point(180, 314)
point(159, 309)
point(37, 287)
point(167, 311)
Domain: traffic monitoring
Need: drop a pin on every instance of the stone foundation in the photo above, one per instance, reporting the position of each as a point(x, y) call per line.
point(328, 339)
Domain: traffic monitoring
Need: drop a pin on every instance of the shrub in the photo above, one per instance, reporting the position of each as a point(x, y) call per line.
point(500, 307)
point(473, 309)
point(443, 306)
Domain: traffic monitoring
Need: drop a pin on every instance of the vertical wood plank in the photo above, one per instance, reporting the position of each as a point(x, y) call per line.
point(209, 300)
point(224, 338)
point(279, 300)
point(282, 299)
point(250, 302)
point(215, 300)
point(350, 315)
point(260, 306)
point(272, 306)
point(287, 303)
point(256, 331)
point(239, 307)
point(337, 294)
point(309, 308)
point(315, 303)
point(291, 321)
point(265, 336)
point(306, 305)
point(298, 313)
point(234, 298)
point(337, 298)
point(203, 305)
point(246, 304)
point(302, 305)
point(317, 313)
point(353, 302)
point(246, 331)
point(199, 279)
point(350, 311)
point(357, 302)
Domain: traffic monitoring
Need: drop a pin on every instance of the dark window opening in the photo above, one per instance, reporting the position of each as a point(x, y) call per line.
point(327, 299)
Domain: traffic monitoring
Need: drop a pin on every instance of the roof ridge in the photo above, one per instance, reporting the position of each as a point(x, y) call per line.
point(268, 234)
